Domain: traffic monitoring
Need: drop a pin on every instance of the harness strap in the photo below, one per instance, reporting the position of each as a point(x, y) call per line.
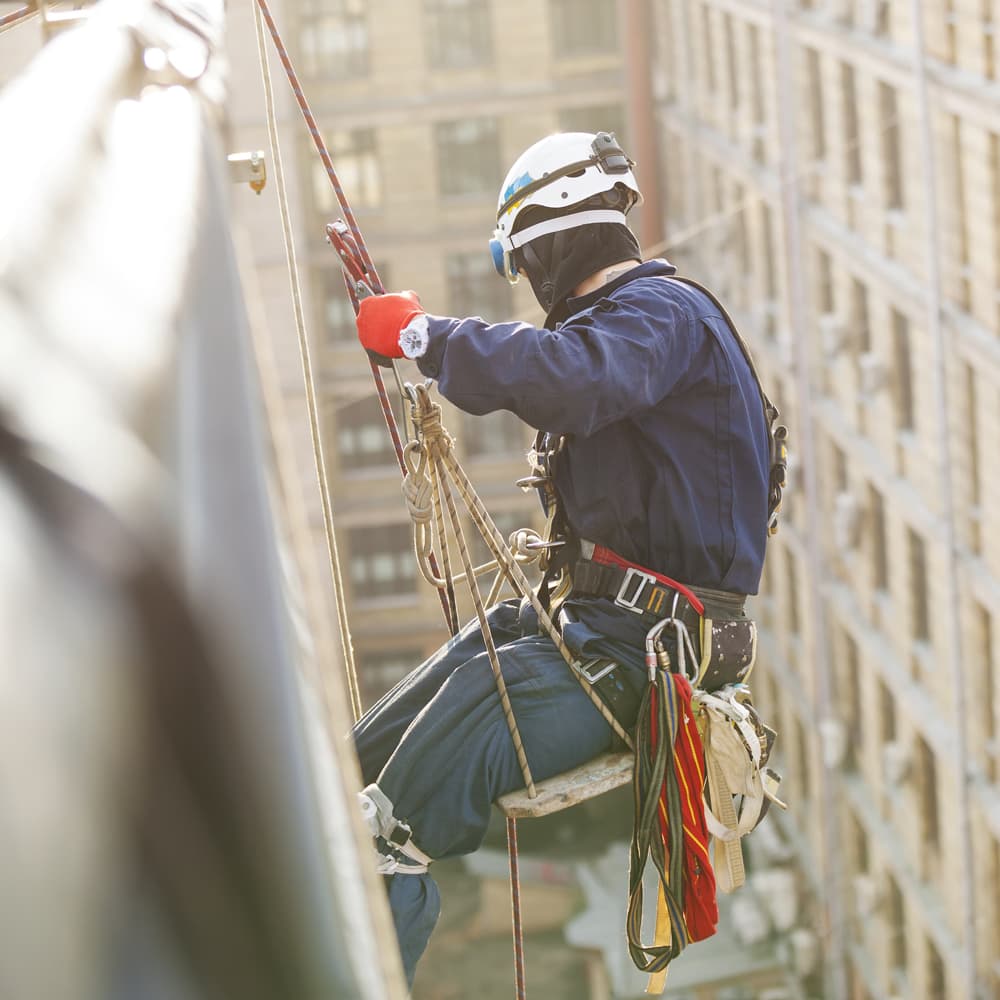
point(604, 556)
point(777, 433)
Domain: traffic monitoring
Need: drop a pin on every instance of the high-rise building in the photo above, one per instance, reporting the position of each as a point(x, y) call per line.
point(833, 169)
point(423, 106)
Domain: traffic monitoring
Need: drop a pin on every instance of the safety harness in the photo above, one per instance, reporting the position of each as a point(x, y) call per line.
point(699, 743)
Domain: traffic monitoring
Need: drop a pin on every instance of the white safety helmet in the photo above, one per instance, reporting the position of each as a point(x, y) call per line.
point(558, 172)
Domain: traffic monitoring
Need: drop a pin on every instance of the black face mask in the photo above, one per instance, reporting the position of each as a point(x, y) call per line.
point(557, 262)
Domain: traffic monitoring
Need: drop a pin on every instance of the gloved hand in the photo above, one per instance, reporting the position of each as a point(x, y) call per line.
point(381, 320)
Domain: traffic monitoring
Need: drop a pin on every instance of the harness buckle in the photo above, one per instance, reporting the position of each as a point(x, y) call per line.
point(629, 601)
point(603, 664)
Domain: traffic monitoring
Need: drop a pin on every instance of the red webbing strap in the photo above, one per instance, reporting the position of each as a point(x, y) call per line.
point(604, 556)
point(701, 908)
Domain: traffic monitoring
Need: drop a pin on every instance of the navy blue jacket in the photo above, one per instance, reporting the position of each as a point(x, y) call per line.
point(666, 458)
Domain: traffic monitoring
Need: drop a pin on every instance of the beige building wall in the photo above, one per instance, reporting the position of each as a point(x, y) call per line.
point(842, 188)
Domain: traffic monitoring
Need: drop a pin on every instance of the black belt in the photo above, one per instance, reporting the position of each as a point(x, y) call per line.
point(641, 593)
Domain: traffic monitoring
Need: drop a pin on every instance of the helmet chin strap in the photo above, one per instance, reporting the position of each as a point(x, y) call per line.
point(538, 275)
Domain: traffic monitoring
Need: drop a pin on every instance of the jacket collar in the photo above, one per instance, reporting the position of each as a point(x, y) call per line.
point(648, 269)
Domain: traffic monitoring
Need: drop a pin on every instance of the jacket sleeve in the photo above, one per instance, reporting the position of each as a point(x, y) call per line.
point(620, 357)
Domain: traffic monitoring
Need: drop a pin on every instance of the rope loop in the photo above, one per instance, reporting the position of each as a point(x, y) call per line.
point(526, 545)
point(418, 491)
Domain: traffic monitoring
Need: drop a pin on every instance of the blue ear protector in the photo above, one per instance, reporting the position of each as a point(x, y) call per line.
point(503, 261)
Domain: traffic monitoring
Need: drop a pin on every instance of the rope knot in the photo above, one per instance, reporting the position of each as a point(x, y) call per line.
point(526, 545)
point(427, 423)
point(418, 491)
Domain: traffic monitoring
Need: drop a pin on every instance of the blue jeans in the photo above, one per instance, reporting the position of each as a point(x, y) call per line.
point(438, 746)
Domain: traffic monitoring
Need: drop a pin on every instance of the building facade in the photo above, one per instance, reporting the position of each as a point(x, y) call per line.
point(833, 168)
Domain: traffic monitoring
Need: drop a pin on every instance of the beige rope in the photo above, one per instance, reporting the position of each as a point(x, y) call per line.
point(427, 423)
point(508, 709)
point(307, 375)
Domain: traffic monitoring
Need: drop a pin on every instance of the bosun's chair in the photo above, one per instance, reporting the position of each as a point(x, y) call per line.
point(604, 773)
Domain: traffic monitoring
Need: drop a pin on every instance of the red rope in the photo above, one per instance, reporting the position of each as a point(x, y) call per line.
point(8, 20)
point(450, 612)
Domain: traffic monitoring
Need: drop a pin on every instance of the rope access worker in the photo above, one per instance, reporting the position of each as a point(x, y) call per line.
point(656, 456)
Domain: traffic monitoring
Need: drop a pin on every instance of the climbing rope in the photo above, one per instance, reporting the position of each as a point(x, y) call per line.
point(358, 242)
point(307, 377)
point(436, 442)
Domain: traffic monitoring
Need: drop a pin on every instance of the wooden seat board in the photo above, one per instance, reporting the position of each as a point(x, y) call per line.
point(597, 776)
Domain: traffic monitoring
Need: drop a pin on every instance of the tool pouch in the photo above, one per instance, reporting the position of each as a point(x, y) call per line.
point(728, 652)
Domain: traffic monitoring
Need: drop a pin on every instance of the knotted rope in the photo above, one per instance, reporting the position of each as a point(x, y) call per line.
point(438, 463)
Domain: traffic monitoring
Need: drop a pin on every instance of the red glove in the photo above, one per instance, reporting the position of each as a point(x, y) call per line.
point(381, 319)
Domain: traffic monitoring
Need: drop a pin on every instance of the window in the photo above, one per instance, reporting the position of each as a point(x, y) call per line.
point(926, 777)
point(987, 685)
point(896, 926)
point(379, 670)
point(838, 464)
point(334, 38)
point(594, 118)
point(859, 844)
point(382, 561)
point(499, 433)
point(880, 16)
point(802, 748)
point(951, 19)
point(852, 133)
point(336, 313)
point(468, 153)
point(995, 220)
point(757, 89)
point(960, 222)
point(356, 162)
point(475, 289)
point(825, 287)
point(892, 159)
point(902, 374)
point(880, 551)
point(458, 32)
point(363, 440)
point(936, 981)
point(814, 76)
point(770, 265)
point(859, 315)
point(920, 618)
point(989, 35)
point(708, 48)
point(741, 248)
point(792, 577)
point(886, 713)
point(583, 27)
point(758, 148)
point(732, 63)
point(851, 703)
point(975, 504)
